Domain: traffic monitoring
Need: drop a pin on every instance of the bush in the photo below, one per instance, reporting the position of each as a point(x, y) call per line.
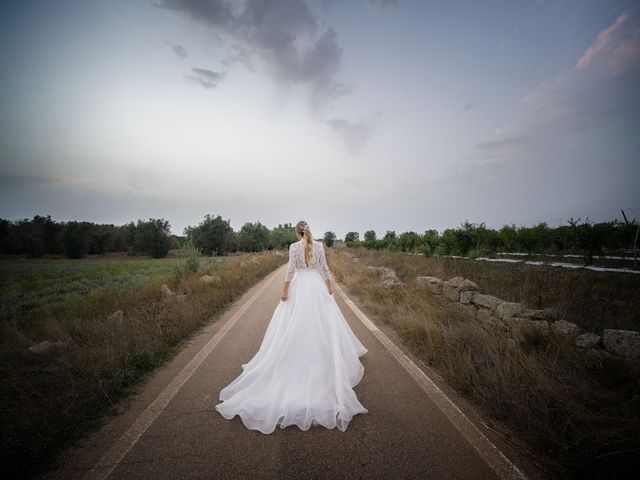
point(153, 237)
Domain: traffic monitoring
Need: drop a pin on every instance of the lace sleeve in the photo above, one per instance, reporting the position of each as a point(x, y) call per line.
point(291, 267)
point(322, 262)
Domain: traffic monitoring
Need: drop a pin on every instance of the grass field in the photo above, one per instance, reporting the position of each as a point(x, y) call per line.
point(578, 415)
point(38, 288)
point(52, 398)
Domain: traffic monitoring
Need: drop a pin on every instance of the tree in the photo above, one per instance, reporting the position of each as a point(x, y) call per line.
point(369, 236)
point(351, 237)
point(76, 239)
point(409, 241)
point(153, 237)
point(589, 238)
point(212, 236)
point(633, 228)
point(508, 235)
point(430, 240)
point(253, 237)
point(282, 236)
point(329, 239)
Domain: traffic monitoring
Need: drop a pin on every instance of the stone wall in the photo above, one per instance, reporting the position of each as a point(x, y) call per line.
point(514, 318)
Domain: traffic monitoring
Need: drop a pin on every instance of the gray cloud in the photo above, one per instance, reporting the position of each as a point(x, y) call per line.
point(286, 36)
point(354, 134)
point(384, 3)
point(493, 144)
point(283, 33)
point(179, 50)
point(207, 78)
point(239, 54)
point(356, 181)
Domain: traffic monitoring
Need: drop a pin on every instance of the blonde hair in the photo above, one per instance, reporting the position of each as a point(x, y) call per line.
point(303, 229)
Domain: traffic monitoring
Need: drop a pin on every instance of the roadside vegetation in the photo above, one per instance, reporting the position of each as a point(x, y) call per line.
point(578, 414)
point(77, 335)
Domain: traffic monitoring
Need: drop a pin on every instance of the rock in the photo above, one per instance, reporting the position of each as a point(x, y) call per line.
point(588, 340)
point(355, 259)
point(387, 272)
point(41, 347)
point(509, 309)
point(566, 329)
point(540, 325)
point(166, 291)
point(621, 342)
point(467, 296)
point(487, 301)
point(451, 288)
point(436, 288)
point(455, 285)
point(389, 282)
point(46, 345)
point(485, 317)
point(518, 326)
point(424, 281)
point(455, 281)
point(434, 284)
point(468, 285)
point(389, 277)
point(116, 317)
point(542, 314)
point(451, 292)
point(209, 279)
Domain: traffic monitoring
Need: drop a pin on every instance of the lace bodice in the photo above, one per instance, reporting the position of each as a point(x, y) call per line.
point(296, 259)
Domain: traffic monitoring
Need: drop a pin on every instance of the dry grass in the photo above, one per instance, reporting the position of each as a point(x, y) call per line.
point(51, 399)
point(579, 413)
point(593, 300)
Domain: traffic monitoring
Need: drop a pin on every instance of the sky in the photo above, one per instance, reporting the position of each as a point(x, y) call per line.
point(352, 115)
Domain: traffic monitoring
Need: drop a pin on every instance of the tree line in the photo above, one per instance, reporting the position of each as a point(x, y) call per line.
point(214, 235)
point(475, 239)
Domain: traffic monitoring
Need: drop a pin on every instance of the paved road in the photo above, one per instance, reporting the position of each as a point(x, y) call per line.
point(170, 430)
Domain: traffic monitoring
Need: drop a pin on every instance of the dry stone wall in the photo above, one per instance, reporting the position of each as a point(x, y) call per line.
point(514, 318)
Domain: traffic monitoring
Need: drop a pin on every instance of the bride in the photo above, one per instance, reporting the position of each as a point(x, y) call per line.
point(308, 363)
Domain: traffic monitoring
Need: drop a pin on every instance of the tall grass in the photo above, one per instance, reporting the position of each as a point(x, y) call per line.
point(51, 399)
point(578, 413)
point(593, 300)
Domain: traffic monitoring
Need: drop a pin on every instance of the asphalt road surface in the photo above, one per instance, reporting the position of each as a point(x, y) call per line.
point(170, 430)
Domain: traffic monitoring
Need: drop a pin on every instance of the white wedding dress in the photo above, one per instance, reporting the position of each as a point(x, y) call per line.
point(308, 363)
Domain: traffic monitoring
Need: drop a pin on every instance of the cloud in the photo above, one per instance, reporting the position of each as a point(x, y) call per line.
point(356, 181)
point(354, 134)
point(207, 78)
point(601, 88)
point(383, 3)
point(466, 108)
point(286, 37)
point(239, 54)
point(284, 34)
point(494, 144)
point(179, 50)
point(617, 47)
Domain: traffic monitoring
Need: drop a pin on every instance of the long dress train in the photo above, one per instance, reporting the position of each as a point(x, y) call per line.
point(306, 367)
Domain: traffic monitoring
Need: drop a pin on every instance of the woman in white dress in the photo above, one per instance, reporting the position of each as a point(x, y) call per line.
point(309, 361)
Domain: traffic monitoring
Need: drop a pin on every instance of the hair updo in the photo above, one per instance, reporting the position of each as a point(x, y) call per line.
point(303, 229)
